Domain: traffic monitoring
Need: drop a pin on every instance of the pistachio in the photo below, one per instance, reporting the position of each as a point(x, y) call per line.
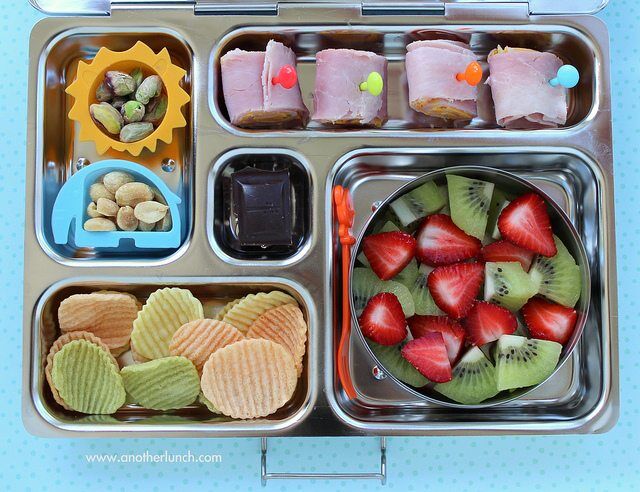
point(133, 193)
point(107, 207)
point(107, 116)
point(98, 190)
point(132, 111)
point(150, 211)
point(121, 84)
point(118, 102)
point(149, 88)
point(92, 212)
point(104, 93)
point(156, 109)
point(99, 224)
point(137, 76)
point(135, 131)
point(164, 224)
point(115, 179)
point(126, 220)
point(145, 226)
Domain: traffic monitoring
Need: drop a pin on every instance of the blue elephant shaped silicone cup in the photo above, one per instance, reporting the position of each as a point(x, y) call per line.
point(71, 207)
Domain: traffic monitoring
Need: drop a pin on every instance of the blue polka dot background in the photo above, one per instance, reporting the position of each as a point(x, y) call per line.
point(546, 463)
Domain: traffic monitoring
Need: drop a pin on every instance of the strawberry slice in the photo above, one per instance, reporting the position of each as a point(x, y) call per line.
point(441, 242)
point(548, 320)
point(428, 354)
point(525, 223)
point(506, 251)
point(383, 320)
point(389, 252)
point(454, 287)
point(452, 332)
point(486, 322)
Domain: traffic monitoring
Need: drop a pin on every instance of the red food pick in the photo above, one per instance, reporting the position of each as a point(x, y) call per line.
point(548, 320)
point(428, 354)
point(506, 251)
point(452, 332)
point(389, 252)
point(486, 322)
point(287, 77)
point(441, 242)
point(383, 320)
point(455, 287)
point(525, 223)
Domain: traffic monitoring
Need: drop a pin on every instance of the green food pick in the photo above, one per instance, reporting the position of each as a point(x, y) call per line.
point(373, 85)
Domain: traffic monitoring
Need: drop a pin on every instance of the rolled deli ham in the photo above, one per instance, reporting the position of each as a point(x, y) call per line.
point(522, 96)
point(338, 98)
point(431, 68)
point(252, 98)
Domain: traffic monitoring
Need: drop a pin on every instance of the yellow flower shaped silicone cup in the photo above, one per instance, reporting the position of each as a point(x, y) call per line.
point(89, 77)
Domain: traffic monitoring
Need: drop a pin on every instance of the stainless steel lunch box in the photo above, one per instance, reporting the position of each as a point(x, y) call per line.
point(573, 165)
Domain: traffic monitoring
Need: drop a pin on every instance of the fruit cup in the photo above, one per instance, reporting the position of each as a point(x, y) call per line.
point(532, 285)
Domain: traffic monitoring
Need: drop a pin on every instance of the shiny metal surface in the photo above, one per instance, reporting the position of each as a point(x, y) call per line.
point(513, 184)
point(195, 40)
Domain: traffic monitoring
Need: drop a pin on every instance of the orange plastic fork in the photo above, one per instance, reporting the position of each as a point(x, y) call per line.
point(345, 213)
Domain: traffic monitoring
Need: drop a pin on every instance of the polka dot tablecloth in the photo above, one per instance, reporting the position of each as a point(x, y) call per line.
point(548, 463)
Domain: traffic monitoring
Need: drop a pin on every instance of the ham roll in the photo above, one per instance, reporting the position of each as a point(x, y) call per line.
point(522, 96)
point(251, 97)
point(337, 97)
point(431, 68)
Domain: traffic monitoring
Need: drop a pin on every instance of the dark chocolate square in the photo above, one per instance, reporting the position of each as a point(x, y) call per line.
point(261, 206)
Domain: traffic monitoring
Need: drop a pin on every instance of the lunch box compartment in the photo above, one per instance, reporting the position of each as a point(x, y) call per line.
point(213, 293)
point(391, 41)
point(61, 154)
point(221, 221)
point(574, 394)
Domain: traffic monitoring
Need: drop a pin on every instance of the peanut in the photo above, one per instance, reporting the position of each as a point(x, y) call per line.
point(92, 211)
point(165, 224)
point(144, 226)
point(99, 224)
point(126, 219)
point(98, 190)
point(115, 179)
point(150, 211)
point(132, 194)
point(107, 207)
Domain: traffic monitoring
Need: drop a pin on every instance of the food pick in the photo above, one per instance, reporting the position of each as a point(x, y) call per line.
point(472, 75)
point(567, 76)
point(287, 77)
point(373, 85)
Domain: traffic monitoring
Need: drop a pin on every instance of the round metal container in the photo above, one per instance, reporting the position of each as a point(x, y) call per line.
point(562, 227)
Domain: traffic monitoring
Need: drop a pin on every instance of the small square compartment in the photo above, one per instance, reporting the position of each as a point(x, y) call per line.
point(60, 154)
point(221, 229)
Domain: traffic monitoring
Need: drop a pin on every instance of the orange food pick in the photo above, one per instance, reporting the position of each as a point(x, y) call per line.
point(472, 74)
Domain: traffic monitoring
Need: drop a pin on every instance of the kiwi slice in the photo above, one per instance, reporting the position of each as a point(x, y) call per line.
point(498, 203)
point(473, 379)
point(508, 285)
point(469, 200)
point(408, 275)
point(523, 362)
point(365, 284)
point(422, 299)
point(418, 203)
point(393, 362)
point(558, 277)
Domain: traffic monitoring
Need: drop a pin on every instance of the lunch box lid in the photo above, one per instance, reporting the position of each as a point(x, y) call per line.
point(369, 7)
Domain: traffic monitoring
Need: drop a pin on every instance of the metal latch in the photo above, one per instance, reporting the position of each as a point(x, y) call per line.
point(486, 10)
